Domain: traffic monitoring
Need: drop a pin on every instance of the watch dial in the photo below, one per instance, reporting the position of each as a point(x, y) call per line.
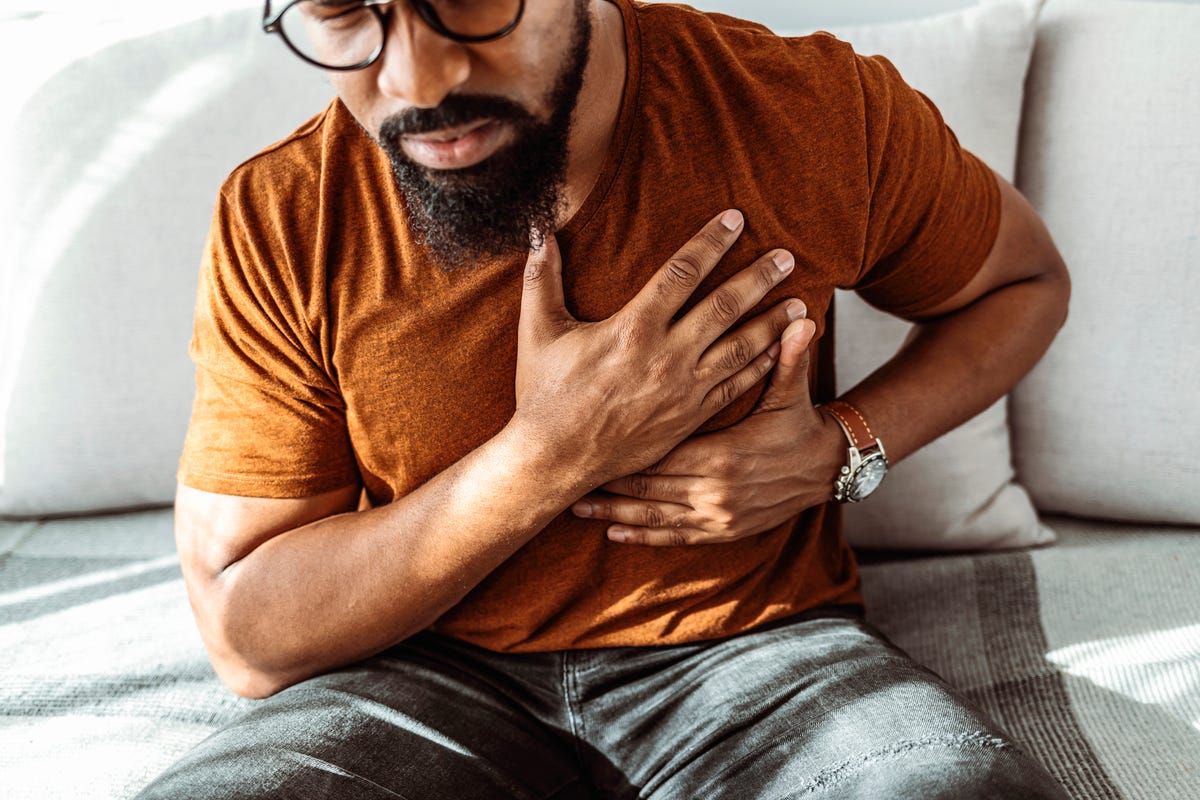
point(870, 475)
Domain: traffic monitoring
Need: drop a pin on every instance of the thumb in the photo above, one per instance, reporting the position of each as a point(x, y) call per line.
point(542, 304)
point(789, 383)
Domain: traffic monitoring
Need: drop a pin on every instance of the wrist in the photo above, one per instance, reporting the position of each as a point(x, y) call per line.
point(558, 469)
point(833, 452)
point(866, 463)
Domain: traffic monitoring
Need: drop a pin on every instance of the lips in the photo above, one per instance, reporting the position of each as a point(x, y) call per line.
point(455, 148)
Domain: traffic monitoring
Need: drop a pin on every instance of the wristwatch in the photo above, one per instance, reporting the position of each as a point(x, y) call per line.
point(867, 461)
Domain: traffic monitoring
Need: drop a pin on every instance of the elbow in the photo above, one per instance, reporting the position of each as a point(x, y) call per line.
point(248, 682)
point(231, 644)
point(239, 670)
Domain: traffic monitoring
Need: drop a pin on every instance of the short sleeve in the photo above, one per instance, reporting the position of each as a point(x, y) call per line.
point(267, 420)
point(934, 208)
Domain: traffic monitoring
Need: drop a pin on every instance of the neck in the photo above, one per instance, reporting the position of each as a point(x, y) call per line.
point(599, 106)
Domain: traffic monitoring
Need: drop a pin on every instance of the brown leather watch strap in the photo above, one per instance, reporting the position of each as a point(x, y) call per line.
point(857, 429)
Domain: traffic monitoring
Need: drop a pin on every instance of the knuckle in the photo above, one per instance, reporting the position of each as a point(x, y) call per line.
point(653, 517)
point(678, 538)
point(725, 306)
point(712, 241)
point(728, 391)
point(780, 321)
point(535, 271)
point(638, 486)
point(628, 336)
point(766, 276)
point(684, 270)
point(738, 354)
point(725, 466)
point(718, 500)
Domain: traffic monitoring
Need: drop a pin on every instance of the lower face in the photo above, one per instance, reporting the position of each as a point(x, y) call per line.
point(480, 172)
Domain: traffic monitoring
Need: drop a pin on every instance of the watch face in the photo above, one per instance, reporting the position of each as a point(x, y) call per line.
point(868, 478)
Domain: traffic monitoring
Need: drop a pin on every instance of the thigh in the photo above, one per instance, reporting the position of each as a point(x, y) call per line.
point(820, 708)
point(417, 722)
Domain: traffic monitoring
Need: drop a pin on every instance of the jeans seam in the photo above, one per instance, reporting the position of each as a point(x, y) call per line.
point(570, 691)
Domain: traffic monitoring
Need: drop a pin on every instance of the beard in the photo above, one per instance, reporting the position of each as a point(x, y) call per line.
point(511, 199)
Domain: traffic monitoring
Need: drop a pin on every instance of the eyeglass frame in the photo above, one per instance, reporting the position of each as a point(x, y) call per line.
point(424, 9)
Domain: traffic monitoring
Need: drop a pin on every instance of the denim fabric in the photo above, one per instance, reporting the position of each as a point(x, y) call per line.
point(815, 707)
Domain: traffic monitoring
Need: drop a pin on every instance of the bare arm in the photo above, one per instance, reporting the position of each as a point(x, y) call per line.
point(286, 589)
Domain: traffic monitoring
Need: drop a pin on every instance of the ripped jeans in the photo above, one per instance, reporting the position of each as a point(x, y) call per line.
point(818, 706)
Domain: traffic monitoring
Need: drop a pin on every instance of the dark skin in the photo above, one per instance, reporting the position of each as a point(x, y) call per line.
point(284, 590)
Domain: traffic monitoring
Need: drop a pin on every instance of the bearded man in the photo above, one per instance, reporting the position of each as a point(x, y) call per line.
point(510, 473)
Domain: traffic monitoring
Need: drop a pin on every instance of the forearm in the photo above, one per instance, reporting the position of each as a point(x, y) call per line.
point(349, 586)
point(950, 369)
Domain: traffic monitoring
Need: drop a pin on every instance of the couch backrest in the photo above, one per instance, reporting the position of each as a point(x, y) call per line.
point(1108, 424)
point(112, 170)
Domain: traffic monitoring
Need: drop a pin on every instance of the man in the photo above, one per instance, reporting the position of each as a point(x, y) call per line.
point(503, 481)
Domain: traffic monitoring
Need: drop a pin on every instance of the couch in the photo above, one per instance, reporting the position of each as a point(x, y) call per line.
point(1040, 558)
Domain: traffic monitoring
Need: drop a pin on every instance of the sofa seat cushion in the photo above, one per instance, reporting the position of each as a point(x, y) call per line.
point(1088, 653)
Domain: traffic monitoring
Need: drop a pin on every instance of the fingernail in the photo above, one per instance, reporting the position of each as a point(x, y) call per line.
point(618, 534)
point(773, 350)
point(732, 219)
point(582, 509)
point(796, 310)
point(784, 260)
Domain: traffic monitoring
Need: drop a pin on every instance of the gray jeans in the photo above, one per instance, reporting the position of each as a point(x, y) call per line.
point(820, 706)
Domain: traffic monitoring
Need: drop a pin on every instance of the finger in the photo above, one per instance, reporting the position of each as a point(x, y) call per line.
point(732, 388)
point(675, 489)
point(659, 537)
point(789, 382)
point(736, 349)
point(629, 511)
point(690, 459)
point(730, 301)
point(666, 292)
point(542, 305)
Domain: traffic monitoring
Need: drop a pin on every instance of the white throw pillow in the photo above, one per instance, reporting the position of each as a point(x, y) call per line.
point(112, 168)
point(1108, 424)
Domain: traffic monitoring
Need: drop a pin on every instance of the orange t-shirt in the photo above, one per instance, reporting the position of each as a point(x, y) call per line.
point(331, 351)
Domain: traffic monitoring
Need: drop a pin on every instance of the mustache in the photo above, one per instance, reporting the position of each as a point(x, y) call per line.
point(455, 110)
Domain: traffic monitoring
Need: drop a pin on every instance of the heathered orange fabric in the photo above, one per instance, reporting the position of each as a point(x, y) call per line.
point(330, 350)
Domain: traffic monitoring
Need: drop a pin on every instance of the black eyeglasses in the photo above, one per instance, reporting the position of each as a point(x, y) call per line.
point(347, 35)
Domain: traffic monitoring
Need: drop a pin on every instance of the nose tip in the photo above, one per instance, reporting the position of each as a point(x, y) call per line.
point(419, 66)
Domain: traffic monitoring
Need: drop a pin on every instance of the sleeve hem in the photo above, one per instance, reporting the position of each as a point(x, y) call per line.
point(276, 488)
point(991, 232)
